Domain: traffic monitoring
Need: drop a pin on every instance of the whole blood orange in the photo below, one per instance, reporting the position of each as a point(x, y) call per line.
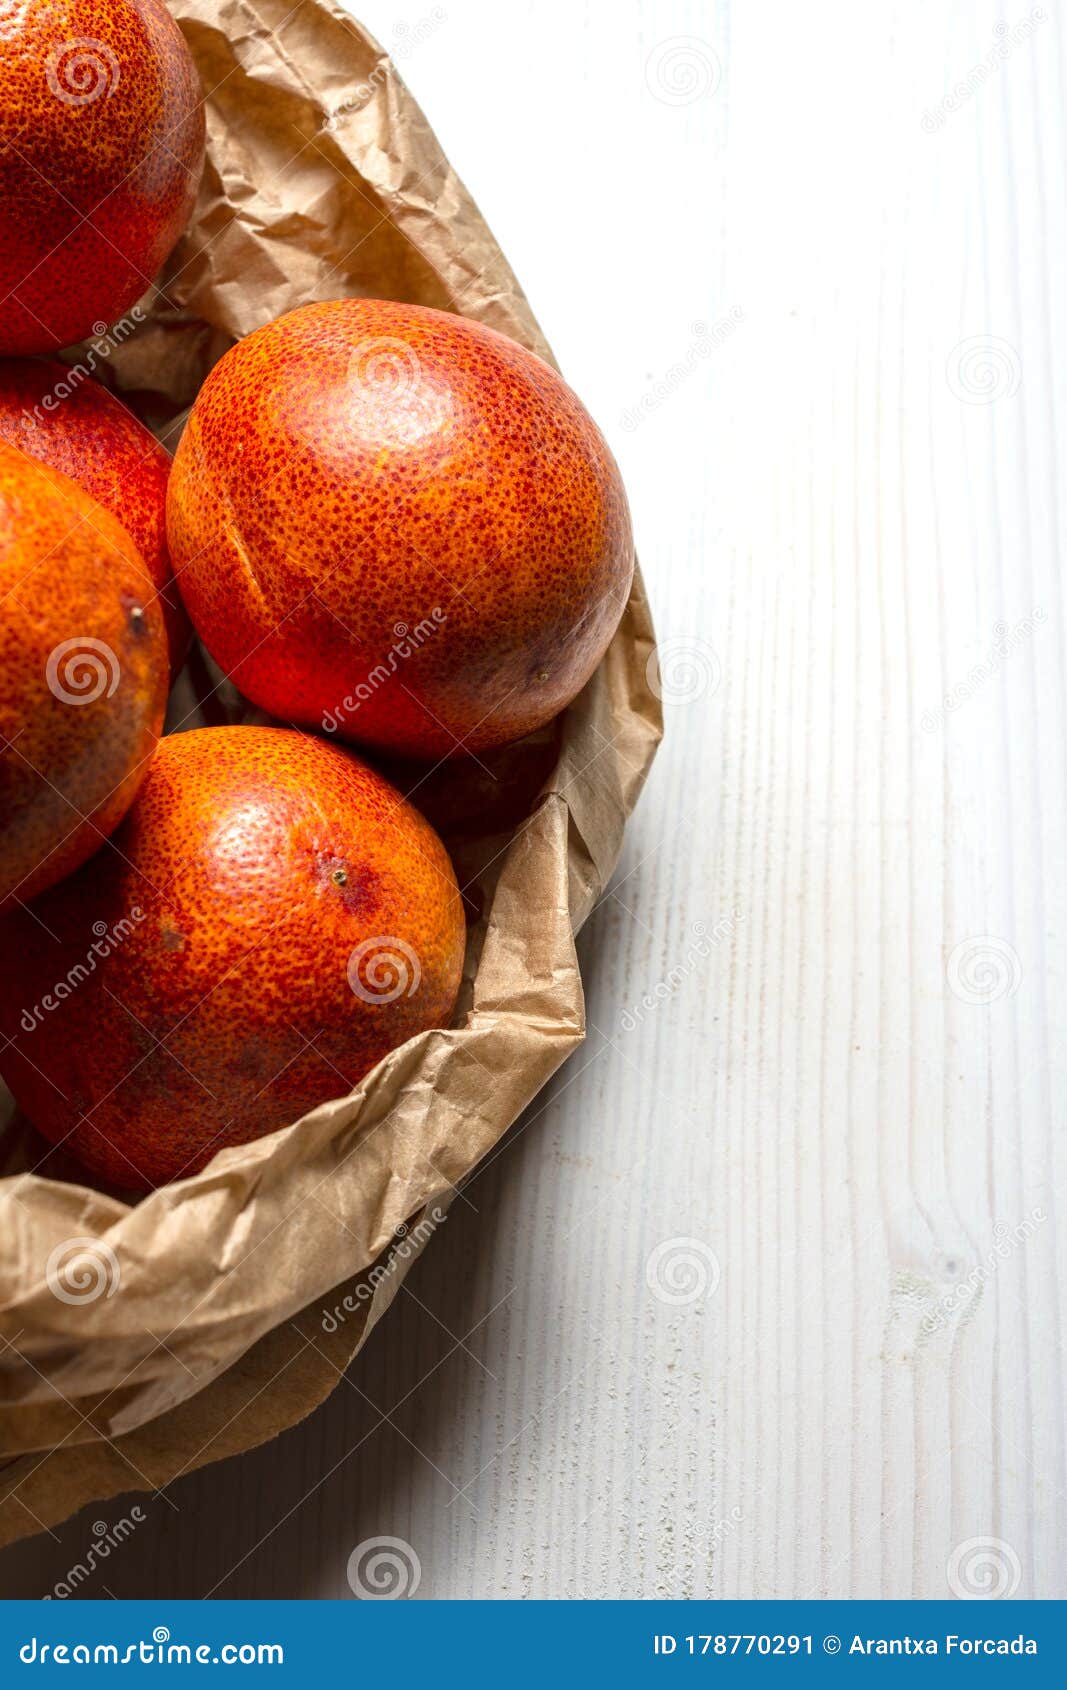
point(71, 423)
point(397, 525)
point(101, 149)
point(275, 918)
point(83, 675)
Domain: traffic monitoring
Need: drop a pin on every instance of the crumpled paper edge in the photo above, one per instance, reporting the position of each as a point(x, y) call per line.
point(578, 824)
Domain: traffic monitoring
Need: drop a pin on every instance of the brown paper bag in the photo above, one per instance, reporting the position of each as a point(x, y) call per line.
point(138, 1342)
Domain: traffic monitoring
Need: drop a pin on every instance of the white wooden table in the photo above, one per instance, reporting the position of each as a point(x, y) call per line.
point(764, 1296)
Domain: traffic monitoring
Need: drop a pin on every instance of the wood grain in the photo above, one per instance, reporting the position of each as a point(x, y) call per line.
point(764, 1295)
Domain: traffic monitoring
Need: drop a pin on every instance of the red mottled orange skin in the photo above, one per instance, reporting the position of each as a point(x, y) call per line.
point(69, 765)
point(101, 149)
point(399, 526)
point(254, 862)
point(71, 423)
